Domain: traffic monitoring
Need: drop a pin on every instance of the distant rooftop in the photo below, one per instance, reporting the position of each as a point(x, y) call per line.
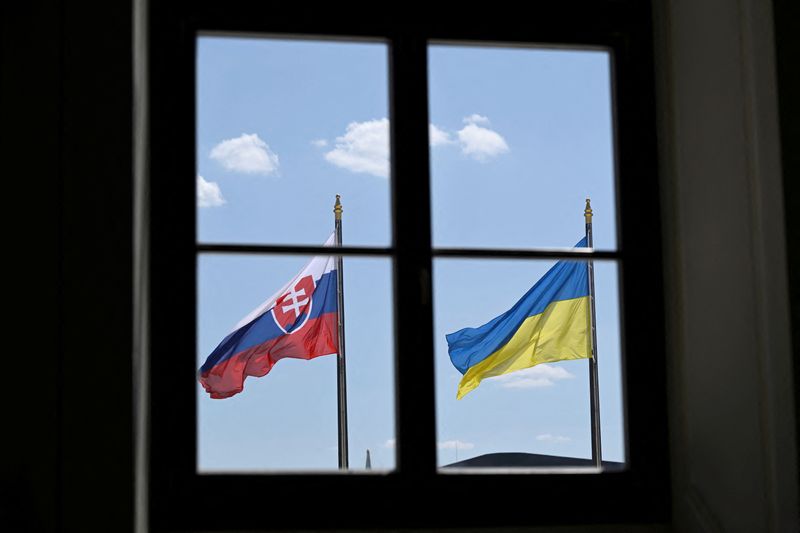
point(504, 460)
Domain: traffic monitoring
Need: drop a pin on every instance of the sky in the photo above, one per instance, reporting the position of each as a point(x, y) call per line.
point(519, 138)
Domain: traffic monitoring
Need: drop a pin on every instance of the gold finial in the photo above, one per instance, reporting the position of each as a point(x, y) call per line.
point(588, 211)
point(337, 208)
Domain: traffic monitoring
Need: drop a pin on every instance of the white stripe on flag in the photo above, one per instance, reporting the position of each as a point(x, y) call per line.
point(316, 268)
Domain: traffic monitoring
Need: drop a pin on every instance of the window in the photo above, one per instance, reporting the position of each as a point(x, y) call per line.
point(285, 126)
point(515, 177)
point(416, 493)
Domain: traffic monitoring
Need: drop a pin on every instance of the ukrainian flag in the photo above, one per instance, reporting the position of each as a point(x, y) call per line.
point(550, 323)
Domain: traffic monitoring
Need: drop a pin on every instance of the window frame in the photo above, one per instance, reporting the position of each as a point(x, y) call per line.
point(179, 498)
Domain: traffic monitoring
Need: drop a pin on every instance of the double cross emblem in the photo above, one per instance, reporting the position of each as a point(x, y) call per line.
point(297, 304)
point(292, 309)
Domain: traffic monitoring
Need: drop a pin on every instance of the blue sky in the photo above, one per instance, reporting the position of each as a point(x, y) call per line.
point(519, 137)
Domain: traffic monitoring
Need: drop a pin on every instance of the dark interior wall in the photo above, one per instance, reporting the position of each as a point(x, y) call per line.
point(67, 104)
point(96, 255)
point(31, 58)
point(787, 46)
point(732, 420)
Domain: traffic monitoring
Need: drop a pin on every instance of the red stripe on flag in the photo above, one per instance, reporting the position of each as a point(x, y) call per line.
point(317, 338)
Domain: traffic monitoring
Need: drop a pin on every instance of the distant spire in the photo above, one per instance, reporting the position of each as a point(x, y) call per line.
point(369, 462)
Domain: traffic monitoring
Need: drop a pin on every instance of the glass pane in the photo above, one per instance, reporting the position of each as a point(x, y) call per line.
point(287, 419)
point(282, 127)
point(536, 416)
point(519, 138)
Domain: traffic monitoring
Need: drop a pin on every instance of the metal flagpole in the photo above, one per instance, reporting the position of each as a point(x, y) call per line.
point(594, 388)
point(340, 360)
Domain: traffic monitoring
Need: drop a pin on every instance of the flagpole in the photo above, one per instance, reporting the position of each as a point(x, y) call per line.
point(340, 360)
point(594, 387)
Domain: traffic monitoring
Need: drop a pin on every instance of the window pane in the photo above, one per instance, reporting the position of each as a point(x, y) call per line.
point(537, 416)
point(287, 419)
point(519, 137)
point(282, 127)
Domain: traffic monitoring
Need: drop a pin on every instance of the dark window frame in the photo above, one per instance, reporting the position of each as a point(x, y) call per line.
point(416, 494)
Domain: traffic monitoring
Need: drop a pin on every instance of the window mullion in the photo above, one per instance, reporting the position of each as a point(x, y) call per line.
point(416, 433)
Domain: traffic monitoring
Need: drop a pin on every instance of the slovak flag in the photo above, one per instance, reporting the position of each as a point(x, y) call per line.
point(299, 321)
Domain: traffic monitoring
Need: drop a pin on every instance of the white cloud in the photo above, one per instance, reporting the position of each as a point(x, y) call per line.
point(538, 376)
point(481, 143)
point(363, 148)
point(438, 137)
point(389, 443)
point(476, 119)
point(247, 153)
point(455, 444)
point(208, 193)
point(553, 439)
